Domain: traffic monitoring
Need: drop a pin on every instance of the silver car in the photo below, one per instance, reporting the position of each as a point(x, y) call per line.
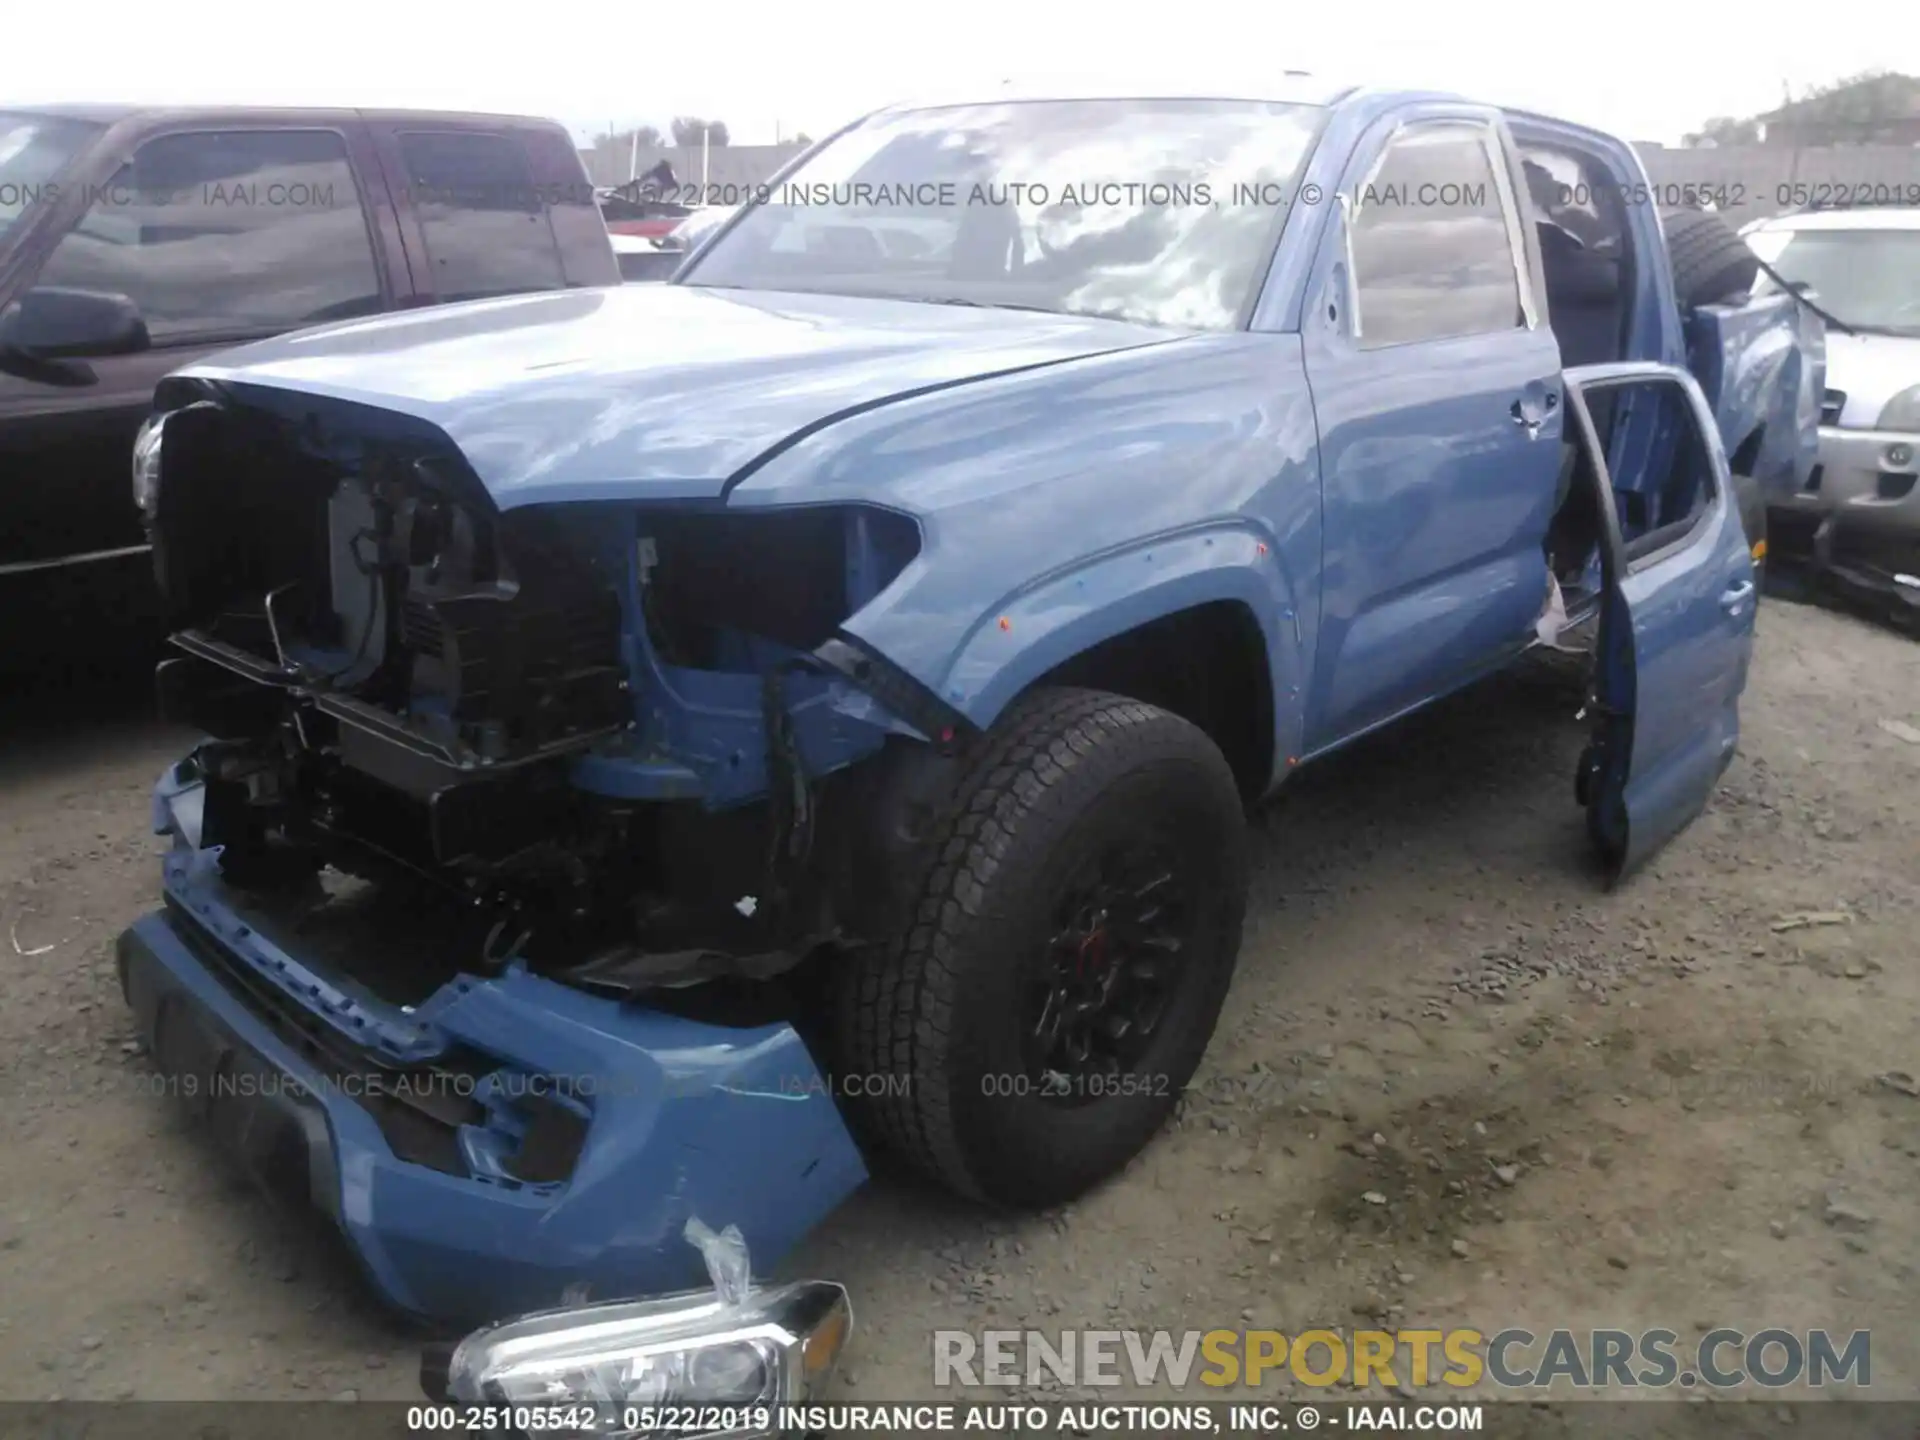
point(1863, 268)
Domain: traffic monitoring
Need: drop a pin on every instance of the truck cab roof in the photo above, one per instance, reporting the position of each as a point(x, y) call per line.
point(1292, 87)
point(112, 114)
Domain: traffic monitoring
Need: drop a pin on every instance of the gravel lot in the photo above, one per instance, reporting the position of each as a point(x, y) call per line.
point(1456, 1083)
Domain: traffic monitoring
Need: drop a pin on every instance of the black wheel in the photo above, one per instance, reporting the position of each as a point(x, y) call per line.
point(1584, 775)
point(1064, 958)
point(1710, 260)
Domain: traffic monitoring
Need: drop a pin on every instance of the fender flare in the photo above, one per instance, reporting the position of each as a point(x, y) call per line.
point(1036, 628)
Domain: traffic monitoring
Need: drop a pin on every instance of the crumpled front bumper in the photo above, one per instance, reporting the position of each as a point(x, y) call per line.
point(679, 1117)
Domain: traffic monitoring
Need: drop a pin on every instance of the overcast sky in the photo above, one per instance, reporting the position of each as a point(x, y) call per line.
point(1649, 69)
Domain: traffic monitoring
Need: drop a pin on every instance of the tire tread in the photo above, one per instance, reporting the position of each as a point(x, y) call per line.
point(1710, 261)
point(898, 1014)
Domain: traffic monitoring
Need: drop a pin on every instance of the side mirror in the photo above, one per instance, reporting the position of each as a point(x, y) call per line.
point(55, 323)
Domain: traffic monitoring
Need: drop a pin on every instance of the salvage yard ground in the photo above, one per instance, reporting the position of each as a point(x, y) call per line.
point(1456, 1082)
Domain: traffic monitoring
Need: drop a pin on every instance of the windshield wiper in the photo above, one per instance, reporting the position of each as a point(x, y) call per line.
point(1793, 288)
point(1898, 332)
point(964, 301)
point(1019, 305)
point(973, 304)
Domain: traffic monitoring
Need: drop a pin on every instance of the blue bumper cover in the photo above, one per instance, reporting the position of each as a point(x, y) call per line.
point(680, 1117)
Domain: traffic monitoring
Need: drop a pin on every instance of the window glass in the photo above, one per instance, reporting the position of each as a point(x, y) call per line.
point(1868, 278)
point(1575, 194)
point(481, 217)
point(1663, 468)
point(34, 150)
point(227, 232)
point(1157, 211)
point(1432, 255)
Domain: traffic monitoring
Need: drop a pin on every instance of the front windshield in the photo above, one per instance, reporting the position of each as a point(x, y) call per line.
point(1868, 278)
point(34, 149)
point(1157, 211)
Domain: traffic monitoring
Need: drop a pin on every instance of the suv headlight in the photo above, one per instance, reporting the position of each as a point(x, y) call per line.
point(648, 1364)
point(146, 462)
point(1902, 412)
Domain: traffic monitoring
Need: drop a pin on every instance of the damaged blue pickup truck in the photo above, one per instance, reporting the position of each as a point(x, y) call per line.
point(668, 743)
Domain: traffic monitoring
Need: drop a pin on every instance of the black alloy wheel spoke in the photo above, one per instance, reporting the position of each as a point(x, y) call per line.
point(1104, 983)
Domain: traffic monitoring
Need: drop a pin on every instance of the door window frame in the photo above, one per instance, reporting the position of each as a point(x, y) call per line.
point(426, 275)
point(1493, 146)
point(111, 165)
point(1627, 555)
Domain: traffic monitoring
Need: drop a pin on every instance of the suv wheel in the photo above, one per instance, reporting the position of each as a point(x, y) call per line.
point(1064, 956)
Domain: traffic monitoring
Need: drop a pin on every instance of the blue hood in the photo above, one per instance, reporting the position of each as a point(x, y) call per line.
point(652, 391)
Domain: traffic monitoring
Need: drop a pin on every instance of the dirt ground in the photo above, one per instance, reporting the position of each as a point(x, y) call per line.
point(1457, 1083)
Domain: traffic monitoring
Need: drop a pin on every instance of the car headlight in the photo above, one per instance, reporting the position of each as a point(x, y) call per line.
point(146, 462)
point(1902, 412)
point(648, 1366)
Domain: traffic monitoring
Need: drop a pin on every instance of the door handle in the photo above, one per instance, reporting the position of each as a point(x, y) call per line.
point(1732, 598)
point(1529, 423)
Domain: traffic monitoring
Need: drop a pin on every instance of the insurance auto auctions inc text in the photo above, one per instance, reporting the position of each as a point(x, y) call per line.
point(1096, 1419)
point(1509, 1359)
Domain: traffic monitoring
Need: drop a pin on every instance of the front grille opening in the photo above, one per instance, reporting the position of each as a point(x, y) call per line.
point(389, 935)
point(419, 1109)
point(551, 1146)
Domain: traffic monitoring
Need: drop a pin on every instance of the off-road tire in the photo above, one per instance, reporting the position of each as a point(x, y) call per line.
point(1710, 261)
point(932, 1021)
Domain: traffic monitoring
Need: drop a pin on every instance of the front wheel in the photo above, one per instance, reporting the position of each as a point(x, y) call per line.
point(1064, 957)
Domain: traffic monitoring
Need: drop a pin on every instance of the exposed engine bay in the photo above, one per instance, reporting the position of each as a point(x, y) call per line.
point(617, 744)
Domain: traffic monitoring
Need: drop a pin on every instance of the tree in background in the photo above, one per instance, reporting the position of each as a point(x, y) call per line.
point(1725, 130)
point(649, 137)
point(1876, 107)
point(690, 131)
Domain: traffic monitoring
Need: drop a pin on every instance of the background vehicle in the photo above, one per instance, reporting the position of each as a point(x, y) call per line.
point(644, 207)
point(134, 241)
point(643, 259)
point(1863, 267)
point(850, 661)
point(656, 257)
point(698, 226)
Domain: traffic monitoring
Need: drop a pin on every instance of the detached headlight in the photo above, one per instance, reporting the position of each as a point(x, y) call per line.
point(1902, 412)
point(686, 1365)
point(146, 462)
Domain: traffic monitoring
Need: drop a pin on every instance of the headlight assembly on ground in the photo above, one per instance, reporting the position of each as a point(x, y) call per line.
point(685, 1365)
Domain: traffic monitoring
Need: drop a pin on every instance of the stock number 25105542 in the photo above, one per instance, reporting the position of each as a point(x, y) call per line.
point(1055, 1084)
point(511, 1420)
